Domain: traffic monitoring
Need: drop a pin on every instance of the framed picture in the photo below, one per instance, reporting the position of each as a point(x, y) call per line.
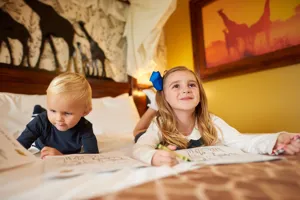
point(239, 36)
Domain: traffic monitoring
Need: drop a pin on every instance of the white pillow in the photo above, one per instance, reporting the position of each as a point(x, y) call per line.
point(16, 111)
point(117, 115)
point(109, 115)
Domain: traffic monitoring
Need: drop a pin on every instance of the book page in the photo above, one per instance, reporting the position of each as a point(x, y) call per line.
point(222, 155)
point(84, 163)
point(12, 153)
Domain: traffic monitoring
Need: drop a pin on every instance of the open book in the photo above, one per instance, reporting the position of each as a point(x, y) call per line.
point(68, 165)
point(13, 154)
point(212, 155)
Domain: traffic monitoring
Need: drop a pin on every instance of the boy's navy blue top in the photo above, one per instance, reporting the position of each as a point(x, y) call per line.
point(44, 133)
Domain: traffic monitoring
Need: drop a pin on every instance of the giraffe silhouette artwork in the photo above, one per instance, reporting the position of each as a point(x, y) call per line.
point(52, 24)
point(14, 30)
point(96, 51)
point(262, 25)
point(231, 42)
point(86, 63)
point(234, 29)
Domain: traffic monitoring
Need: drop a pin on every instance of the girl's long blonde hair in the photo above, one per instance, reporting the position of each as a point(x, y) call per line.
point(166, 118)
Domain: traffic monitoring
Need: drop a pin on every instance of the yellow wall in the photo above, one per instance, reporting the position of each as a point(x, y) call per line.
point(265, 101)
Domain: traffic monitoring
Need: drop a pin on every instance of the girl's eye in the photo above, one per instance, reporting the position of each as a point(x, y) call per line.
point(176, 86)
point(192, 85)
point(53, 111)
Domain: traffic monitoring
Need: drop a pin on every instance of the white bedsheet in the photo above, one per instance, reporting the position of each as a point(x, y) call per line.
point(83, 186)
point(115, 142)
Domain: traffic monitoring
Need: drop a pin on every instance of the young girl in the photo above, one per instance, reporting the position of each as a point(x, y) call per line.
point(183, 121)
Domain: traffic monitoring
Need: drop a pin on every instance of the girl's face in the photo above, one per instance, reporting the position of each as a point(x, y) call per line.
point(181, 91)
point(63, 112)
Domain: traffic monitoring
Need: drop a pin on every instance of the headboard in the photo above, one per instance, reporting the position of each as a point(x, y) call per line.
point(30, 81)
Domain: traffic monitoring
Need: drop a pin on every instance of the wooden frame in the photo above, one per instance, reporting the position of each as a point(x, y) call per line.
point(31, 81)
point(282, 57)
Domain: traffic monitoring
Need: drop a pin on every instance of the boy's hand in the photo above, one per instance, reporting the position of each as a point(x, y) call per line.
point(288, 142)
point(49, 151)
point(162, 157)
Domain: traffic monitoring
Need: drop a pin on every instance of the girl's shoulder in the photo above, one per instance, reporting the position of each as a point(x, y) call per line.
point(216, 119)
point(221, 124)
point(153, 128)
point(153, 125)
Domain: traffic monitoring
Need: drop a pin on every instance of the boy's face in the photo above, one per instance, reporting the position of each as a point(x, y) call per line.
point(63, 112)
point(181, 91)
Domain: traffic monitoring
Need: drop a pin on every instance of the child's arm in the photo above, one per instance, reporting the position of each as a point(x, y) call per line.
point(163, 157)
point(89, 141)
point(287, 143)
point(32, 131)
point(49, 151)
point(144, 150)
point(253, 143)
point(144, 122)
point(90, 144)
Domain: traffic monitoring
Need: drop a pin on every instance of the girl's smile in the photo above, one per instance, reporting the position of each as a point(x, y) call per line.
point(186, 98)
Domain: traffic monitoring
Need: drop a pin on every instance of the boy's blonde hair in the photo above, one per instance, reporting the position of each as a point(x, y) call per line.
point(72, 84)
point(166, 118)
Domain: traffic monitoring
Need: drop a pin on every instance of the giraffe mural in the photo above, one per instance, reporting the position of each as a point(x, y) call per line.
point(53, 33)
point(52, 24)
point(96, 51)
point(14, 30)
point(86, 63)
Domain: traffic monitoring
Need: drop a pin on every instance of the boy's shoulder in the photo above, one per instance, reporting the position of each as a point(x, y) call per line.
point(84, 123)
point(40, 120)
point(43, 116)
point(85, 127)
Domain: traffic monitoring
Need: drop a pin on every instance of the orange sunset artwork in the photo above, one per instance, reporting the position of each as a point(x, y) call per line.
point(235, 29)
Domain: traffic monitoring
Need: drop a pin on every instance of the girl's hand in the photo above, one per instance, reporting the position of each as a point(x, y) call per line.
point(290, 145)
point(49, 151)
point(162, 157)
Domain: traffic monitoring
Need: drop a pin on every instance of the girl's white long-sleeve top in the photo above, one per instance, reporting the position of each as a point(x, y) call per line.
point(144, 149)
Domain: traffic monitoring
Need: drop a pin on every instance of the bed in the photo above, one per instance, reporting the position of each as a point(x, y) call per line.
point(265, 180)
point(25, 81)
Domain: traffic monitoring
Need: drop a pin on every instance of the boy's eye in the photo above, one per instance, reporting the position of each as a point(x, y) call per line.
point(53, 111)
point(67, 113)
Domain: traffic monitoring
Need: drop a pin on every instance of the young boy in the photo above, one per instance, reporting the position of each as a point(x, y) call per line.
point(62, 129)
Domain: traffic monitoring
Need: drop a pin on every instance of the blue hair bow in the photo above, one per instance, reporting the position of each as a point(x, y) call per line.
point(157, 80)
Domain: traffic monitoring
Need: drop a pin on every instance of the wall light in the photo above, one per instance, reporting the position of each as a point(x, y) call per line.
point(138, 93)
